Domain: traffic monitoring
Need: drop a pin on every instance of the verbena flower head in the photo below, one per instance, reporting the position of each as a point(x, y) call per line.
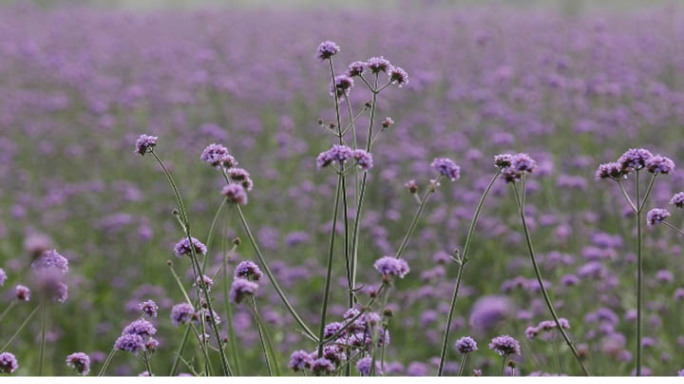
point(130, 342)
point(205, 282)
point(522, 162)
point(326, 50)
point(322, 367)
point(241, 176)
point(183, 247)
point(8, 363)
point(342, 85)
point(217, 155)
point(339, 154)
point(363, 159)
point(151, 344)
point(447, 168)
point(242, 288)
point(613, 171)
point(634, 159)
point(531, 332)
point(300, 361)
point(149, 308)
point(378, 64)
point(51, 260)
point(355, 69)
point(141, 328)
point(331, 329)
point(235, 193)
point(363, 366)
point(248, 270)
point(182, 313)
point(80, 362)
point(505, 345)
point(656, 216)
point(144, 144)
point(678, 200)
point(660, 164)
point(503, 160)
point(49, 282)
point(391, 266)
point(466, 345)
point(22, 293)
point(398, 76)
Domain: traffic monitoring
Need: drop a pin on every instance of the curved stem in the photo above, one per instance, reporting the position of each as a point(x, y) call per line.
point(328, 276)
point(537, 272)
point(414, 222)
point(21, 327)
point(672, 227)
point(271, 277)
point(464, 260)
point(43, 333)
point(179, 353)
point(106, 363)
point(210, 236)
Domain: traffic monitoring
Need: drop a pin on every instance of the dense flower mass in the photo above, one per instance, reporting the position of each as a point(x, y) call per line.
point(660, 164)
point(656, 216)
point(182, 313)
point(248, 270)
point(505, 345)
point(391, 266)
point(130, 342)
point(634, 159)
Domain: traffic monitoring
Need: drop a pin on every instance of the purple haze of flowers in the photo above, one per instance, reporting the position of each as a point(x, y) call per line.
point(235, 193)
point(242, 288)
point(300, 361)
point(634, 159)
point(141, 328)
point(678, 200)
point(248, 270)
point(8, 363)
point(326, 50)
point(80, 362)
point(488, 311)
point(505, 345)
point(466, 345)
point(145, 143)
point(339, 154)
point(391, 266)
point(183, 247)
point(182, 313)
point(656, 216)
point(51, 260)
point(447, 168)
point(364, 365)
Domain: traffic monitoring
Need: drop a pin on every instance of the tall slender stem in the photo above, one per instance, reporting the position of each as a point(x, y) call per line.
point(639, 273)
point(537, 272)
point(21, 327)
point(328, 276)
point(461, 368)
point(672, 227)
point(414, 222)
point(464, 260)
point(8, 309)
point(106, 363)
point(179, 353)
point(271, 277)
point(43, 333)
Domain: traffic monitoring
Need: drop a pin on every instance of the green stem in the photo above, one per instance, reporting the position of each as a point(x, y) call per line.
point(639, 276)
point(148, 366)
point(677, 230)
point(414, 222)
point(21, 327)
point(461, 368)
point(43, 333)
point(179, 353)
point(7, 310)
point(626, 195)
point(375, 337)
point(211, 233)
point(271, 277)
point(537, 272)
point(464, 259)
point(106, 363)
point(232, 342)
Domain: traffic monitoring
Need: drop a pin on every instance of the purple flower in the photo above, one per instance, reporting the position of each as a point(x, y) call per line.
point(217, 155)
point(242, 288)
point(466, 345)
point(331, 329)
point(391, 266)
point(51, 260)
point(50, 283)
point(8, 363)
point(22, 293)
point(183, 247)
point(130, 342)
point(326, 50)
point(241, 176)
point(398, 76)
point(363, 159)
point(378, 64)
point(522, 162)
point(531, 332)
point(342, 85)
point(503, 160)
point(660, 164)
point(634, 159)
point(447, 168)
point(355, 69)
point(505, 345)
point(656, 216)
point(80, 362)
point(338, 153)
point(235, 193)
point(149, 308)
point(322, 367)
point(182, 313)
point(144, 144)
point(3, 277)
point(300, 361)
point(364, 365)
point(678, 200)
point(248, 270)
point(611, 171)
point(205, 282)
point(141, 328)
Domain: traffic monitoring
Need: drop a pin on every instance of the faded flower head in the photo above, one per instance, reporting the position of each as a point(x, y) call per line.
point(363, 159)
point(300, 361)
point(241, 176)
point(8, 363)
point(656, 216)
point(144, 144)
point(398, 76)
point(613, 171)
point(51, 260)
point(355, 69)
point(149, 308)
point(341, 86)
point(22, 293)
point(183, 247)
point(182, 313)
point(364, 365)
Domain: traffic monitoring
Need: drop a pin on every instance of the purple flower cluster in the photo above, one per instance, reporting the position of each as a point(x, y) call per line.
point(339, 154)
point(391, 266)
point(656, 216)
point(242, 288)
point(235, 193)
point(466, 345)
point(505, 345)
point(137, 337)
point(8, 363)
point(678, 200)
point(326, 50)
point(183, 247)
point(447, 168)
point(182, 313)
point(80, 362)
point(248, 270)
point(513, 167)
point(145, 144)
point(217, 155)
point(149, 308)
